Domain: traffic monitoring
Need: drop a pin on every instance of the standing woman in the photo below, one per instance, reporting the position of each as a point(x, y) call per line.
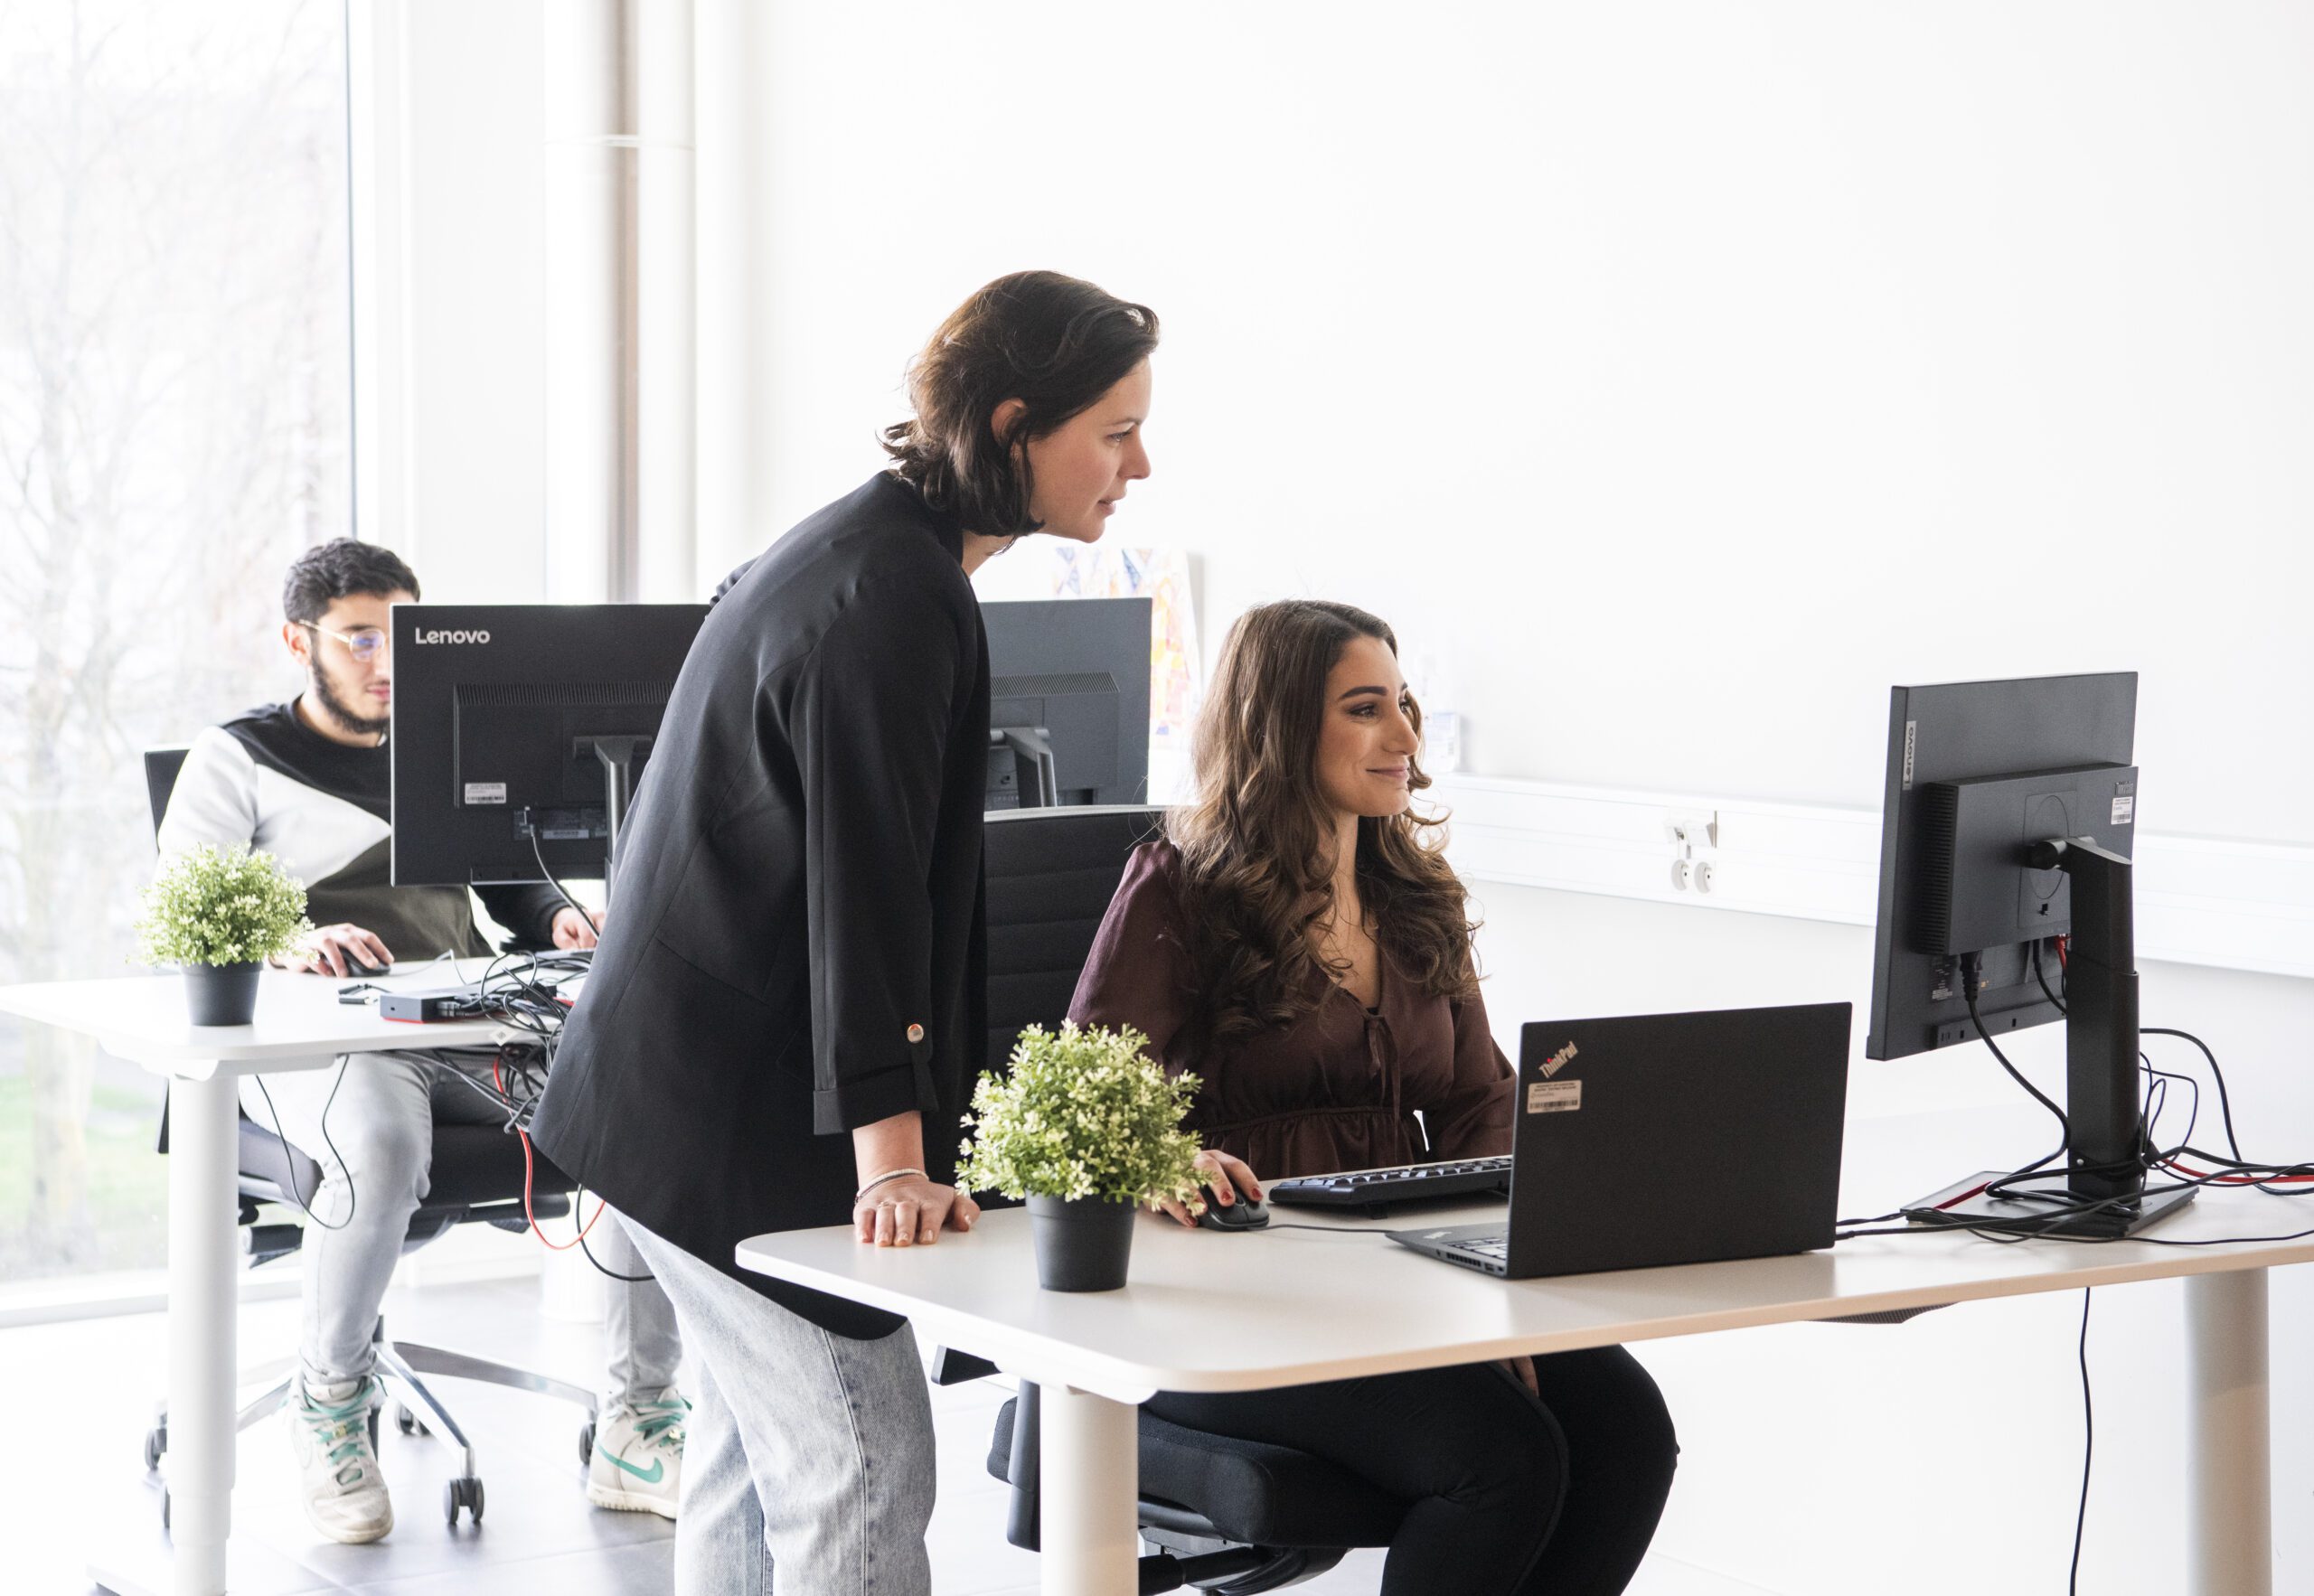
point(785, 1013)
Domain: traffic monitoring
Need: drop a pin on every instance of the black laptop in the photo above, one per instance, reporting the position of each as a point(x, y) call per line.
point(1666, 1138)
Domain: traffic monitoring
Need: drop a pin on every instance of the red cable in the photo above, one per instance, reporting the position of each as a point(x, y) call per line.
point(499, 1080)
point(2215, 1179)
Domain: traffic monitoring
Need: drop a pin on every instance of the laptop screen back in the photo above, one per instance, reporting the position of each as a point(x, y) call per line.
point(1677, 1138)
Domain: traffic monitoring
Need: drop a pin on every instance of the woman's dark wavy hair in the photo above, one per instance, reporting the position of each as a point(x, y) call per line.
point(1256, 839)
point(1050, 340)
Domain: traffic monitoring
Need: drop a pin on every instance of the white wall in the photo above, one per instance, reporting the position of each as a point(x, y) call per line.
point(1680, 374)
point(1675, 377)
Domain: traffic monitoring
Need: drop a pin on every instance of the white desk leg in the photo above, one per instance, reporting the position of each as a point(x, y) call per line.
point(1090, 1478)
point(2231, 1548)
point(203, 1166)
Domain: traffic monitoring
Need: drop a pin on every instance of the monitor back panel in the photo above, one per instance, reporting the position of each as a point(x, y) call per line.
point(1677, 1138)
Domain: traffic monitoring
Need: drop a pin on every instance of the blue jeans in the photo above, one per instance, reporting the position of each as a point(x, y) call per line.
point(805, 1449)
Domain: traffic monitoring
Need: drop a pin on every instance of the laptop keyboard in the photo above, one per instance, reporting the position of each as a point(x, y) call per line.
point(1375, 1188)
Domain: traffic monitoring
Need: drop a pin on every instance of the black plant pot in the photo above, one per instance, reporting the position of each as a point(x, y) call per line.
point(1082, 1243)
point(221, 994)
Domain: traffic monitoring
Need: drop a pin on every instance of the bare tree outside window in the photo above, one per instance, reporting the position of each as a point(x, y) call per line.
point(174, 428)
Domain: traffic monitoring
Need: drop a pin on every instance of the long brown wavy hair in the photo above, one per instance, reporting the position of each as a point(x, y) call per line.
point(1257, 841)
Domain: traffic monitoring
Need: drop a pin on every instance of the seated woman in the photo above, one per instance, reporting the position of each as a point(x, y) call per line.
point(1299, 943)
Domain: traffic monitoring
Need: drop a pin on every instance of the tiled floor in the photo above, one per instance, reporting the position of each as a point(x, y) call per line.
point(83, 1399)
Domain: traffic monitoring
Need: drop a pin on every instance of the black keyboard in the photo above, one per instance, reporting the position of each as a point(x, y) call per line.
point(1384, 1188)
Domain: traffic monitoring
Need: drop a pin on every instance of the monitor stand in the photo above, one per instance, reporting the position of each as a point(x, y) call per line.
point(617, 756)
point(1966, 1202)
point(2106, 1150)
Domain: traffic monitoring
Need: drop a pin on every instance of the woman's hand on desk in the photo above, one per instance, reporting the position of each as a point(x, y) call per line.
point(1229, 1178)
point(574, 930)
point(910, 1212)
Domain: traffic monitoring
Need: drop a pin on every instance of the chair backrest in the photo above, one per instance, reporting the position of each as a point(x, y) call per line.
point(161, 767)
point(1051, 873)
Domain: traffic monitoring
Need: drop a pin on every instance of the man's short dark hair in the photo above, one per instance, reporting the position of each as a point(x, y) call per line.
point(341, 569)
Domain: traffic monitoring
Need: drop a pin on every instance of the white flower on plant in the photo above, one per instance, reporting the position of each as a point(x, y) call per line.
point(220, 905)
point(1080, 1113)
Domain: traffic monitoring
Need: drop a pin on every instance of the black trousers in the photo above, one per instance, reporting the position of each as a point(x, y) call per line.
point(1509, 1496)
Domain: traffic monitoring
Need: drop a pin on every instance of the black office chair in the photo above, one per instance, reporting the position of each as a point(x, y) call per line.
point(1227, 1515)
point(476, 1177)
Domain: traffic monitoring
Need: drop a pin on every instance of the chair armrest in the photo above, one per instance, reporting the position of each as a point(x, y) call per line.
point(952, 1367)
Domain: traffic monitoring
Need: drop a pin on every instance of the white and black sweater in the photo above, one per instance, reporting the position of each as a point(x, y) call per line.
point(268, 781)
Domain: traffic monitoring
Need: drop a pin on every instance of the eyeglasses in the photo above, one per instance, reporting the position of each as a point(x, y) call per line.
point(365, 644)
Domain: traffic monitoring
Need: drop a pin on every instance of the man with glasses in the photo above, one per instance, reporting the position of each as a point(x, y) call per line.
point(309, 782)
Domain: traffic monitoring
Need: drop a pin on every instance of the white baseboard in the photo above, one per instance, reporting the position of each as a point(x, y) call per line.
point(146, 1290)
point(2213, 901)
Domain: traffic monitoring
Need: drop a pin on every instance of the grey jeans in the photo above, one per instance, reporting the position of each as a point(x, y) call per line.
point(806, 1450)
point(381, 1127)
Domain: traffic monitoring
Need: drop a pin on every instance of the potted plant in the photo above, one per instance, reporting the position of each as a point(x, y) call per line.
point(1087, 1126)
point(218, 914)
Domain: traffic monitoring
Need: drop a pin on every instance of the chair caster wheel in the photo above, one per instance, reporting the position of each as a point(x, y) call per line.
point(408, 1422)
point(464, 1493)
point(156, 1443)
point(585, 1444)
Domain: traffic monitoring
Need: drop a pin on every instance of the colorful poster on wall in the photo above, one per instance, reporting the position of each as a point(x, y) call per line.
point(1162, 576)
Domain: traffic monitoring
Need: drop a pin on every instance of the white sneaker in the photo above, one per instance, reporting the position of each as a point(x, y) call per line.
point(329, 1435)
point(638, 1461)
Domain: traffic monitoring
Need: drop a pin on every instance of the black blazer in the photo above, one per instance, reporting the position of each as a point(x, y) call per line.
point(796, 942)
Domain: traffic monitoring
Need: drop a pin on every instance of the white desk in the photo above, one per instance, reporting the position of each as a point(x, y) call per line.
point(1210, 1310)
point(299, 1025)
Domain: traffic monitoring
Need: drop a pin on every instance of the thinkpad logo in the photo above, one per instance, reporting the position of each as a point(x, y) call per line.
point(431, 636)
point(1558, 1061)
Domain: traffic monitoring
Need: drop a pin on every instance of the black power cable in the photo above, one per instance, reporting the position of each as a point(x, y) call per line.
point(1969, 970)
point(290, 1162)
point(600, 1267)
point(2088, 1450)
point(539, 854)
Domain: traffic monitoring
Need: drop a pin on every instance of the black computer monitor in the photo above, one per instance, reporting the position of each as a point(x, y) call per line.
point(2007, 819)
point(518, 731)
point(1069, 701)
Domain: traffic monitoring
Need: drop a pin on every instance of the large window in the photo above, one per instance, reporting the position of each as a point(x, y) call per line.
point(174, 426)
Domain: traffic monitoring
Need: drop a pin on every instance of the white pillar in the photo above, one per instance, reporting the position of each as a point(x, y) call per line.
point(202, 1273)
point(1089, 1479)
point(620, 464)
point(2231, 1552)
point(733, 341)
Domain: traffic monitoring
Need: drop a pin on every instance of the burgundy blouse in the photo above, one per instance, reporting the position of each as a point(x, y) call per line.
point(1337, 1089)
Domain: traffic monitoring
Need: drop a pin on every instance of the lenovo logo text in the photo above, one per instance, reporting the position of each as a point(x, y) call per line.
point(428, 634)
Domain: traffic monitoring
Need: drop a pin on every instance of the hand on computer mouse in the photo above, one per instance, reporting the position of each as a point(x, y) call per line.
point(1225, 1179)
point(1245, 1214)
point(341, 951)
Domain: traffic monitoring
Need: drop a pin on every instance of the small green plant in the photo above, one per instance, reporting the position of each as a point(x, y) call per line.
point(220, 905)
point(1081, 1113)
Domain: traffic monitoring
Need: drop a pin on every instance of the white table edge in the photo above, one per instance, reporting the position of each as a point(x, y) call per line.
point(1015, 1349)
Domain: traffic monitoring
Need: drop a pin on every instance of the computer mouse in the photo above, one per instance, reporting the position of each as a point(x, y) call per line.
point(1245, 1214)
point(355, 964)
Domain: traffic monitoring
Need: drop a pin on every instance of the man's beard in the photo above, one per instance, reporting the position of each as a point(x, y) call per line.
point(351, 719)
